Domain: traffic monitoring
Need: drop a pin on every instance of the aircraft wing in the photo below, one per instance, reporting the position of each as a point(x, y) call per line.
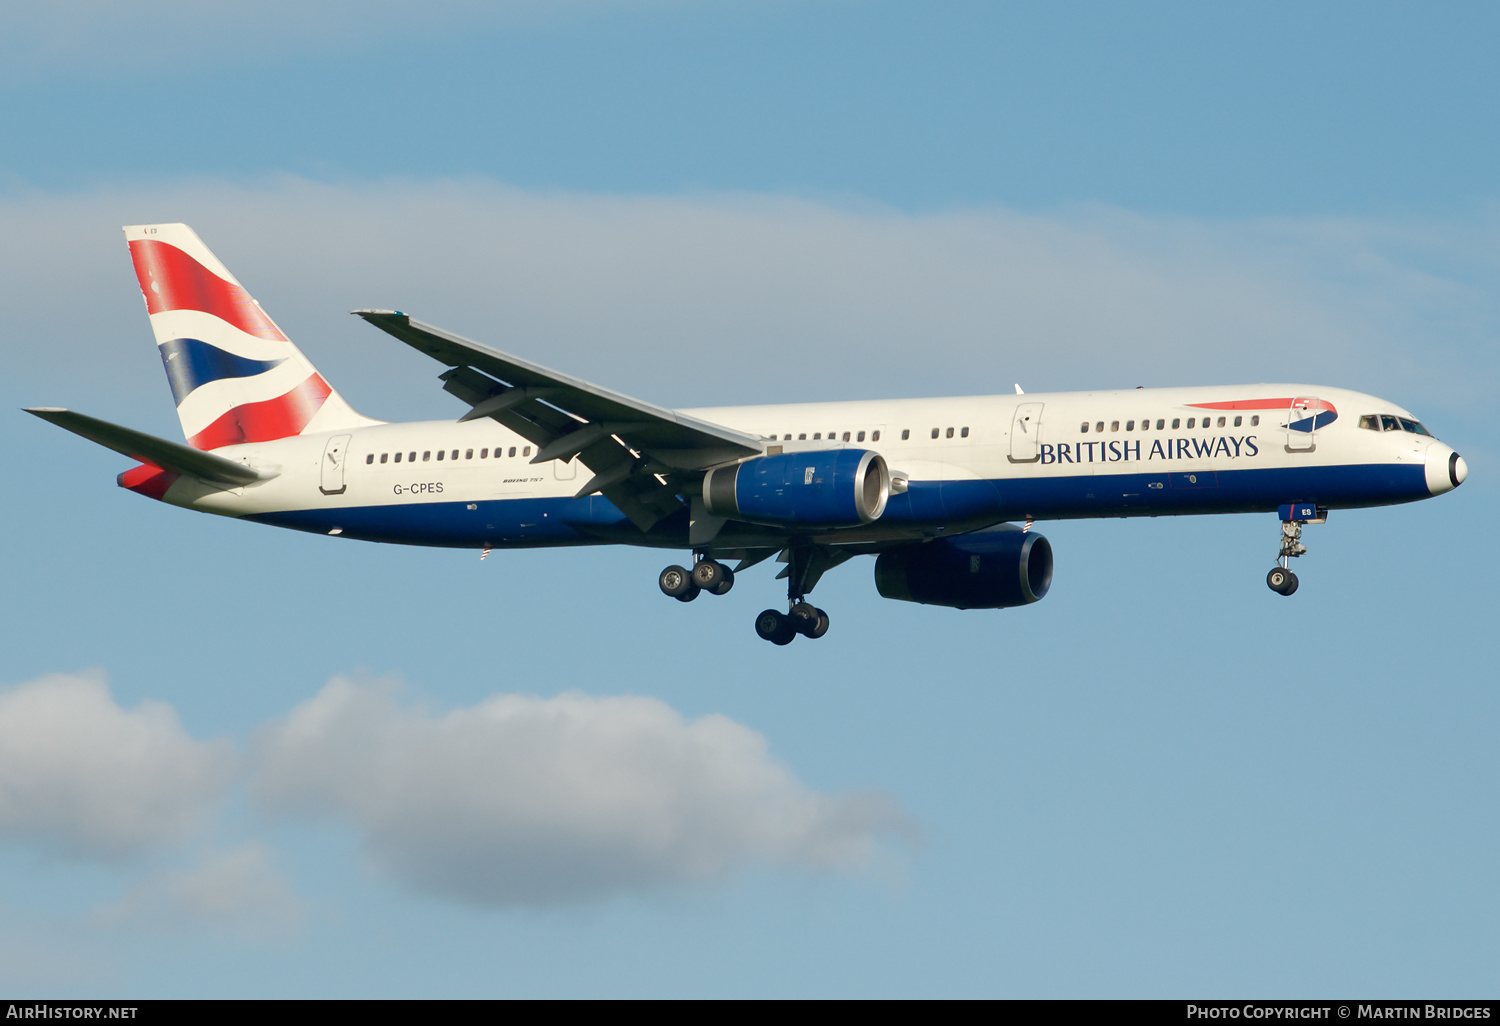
point(149, 449)
point(636, 450)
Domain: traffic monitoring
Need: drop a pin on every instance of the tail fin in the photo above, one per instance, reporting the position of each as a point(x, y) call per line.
point(235, 376)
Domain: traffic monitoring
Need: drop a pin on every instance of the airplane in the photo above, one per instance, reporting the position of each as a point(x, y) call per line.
point(933, 488)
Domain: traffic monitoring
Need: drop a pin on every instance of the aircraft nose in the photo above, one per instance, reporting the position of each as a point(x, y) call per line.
point(1446, 469)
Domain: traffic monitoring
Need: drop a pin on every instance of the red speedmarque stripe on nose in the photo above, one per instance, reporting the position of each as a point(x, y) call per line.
point(172, 280)
point(282, 417)
point(1262, 404)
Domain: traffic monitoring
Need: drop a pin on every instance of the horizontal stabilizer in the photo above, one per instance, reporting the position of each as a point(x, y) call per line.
point(149, 449)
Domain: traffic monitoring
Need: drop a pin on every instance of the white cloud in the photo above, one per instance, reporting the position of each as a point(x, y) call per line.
point(523, 801)
point(80, 775)
point(237, 890)
point(729, 299)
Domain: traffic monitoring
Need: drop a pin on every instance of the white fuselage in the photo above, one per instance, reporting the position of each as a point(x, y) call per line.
point(960, 464)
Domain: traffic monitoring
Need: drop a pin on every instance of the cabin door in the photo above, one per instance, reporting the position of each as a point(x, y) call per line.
point(1026, 433)
point(332, 480)
point(1301, 424)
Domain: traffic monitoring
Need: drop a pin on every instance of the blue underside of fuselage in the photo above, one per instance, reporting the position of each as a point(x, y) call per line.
point(522, 523)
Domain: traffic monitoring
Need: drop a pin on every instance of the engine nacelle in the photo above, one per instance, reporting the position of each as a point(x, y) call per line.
point(989, 569)
point(823, 488)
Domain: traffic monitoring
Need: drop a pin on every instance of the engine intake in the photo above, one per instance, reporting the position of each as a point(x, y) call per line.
point(990, 569)
point(823, 488)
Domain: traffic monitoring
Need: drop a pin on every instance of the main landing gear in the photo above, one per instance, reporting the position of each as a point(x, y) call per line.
point(805, 564)
point(1281, 579)
point(707, 575)
point(780, 628)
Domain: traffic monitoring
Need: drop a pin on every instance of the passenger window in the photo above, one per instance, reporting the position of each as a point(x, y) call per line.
point(1130, 425)
point(1099, 426)
point(384, 455)
point(963, 433)
point(484, 454)
point(1255, 420)
point(1114, 425)
point(469, 454)
point(427, 455)
point(526, 450)
point(1160, 423)
point(934, 432)
point(874, 436)
point(1238, 421)
point(513, 450)
point(370, 458)
point(1221, 422)
point(861, 437)
point(398, 457)
point(950, 433)
point(905, 434)
point(454, 454)
point(411, 457)
point(1190, 422)
point(786, 437)
point(440, 454)
point(1085, 428)
point(1176, 423)
point(817, 436)
point(1389, 423)
point(802, 437)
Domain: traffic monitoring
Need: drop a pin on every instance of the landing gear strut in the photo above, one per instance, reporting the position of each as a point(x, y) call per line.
point(1281, 579)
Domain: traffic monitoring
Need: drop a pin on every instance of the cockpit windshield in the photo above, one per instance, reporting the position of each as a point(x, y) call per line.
point(1386, 422)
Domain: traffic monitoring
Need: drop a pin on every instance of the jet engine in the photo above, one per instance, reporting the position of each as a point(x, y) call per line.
point(989, 569)
point(824, 488)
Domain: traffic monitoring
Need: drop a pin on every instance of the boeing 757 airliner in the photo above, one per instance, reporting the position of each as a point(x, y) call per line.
point(932, 487)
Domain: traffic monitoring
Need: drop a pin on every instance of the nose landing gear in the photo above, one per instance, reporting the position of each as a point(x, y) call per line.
point(1281, 579)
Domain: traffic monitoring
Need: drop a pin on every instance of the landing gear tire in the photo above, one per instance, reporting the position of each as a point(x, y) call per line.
point(776, 627)
point(1281, 581)
point(690, 594)
point(808, 620)
point(709, 574)
point(675, 582)
point(722, 588)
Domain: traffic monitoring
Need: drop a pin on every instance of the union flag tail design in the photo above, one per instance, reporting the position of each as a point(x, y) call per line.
point(235, 376)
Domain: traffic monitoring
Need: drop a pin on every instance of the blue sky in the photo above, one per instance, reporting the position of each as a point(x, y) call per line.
point(1161, 780)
